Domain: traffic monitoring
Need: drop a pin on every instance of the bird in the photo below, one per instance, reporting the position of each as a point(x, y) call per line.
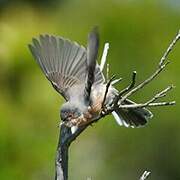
point(74, 72)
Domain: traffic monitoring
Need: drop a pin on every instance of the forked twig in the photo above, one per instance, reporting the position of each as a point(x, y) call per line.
point(161, 66)
point(144, 83)
point(151, 103)
point(145, 175)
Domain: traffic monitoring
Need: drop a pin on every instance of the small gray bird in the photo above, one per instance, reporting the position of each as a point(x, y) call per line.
point(74, 72)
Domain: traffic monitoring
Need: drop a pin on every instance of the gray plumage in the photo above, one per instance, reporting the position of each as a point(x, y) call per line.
point(92, 53)
point(75, 74)
point(63, 62)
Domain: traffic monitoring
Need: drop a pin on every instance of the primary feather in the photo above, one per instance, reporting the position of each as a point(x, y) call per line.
point(63, 62)
point(92, 52)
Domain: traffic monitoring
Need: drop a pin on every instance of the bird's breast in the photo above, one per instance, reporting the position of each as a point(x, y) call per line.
point(95, 108)
point(97, 97)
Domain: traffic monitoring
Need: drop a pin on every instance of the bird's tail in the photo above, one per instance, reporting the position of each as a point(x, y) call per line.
point(132, 117)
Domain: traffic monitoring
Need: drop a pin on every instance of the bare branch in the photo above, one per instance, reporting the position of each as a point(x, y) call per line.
point(162, 65)
point(107, 88)
point(162, 104)
point(151, 103)
point(66, 135)
point(161, 94)
point(130, 86)
point(126, 89)
point(133, 106)
point(104, 56)
point(145, 175)
point(116, 81)
point(175, 40)
point(141, 85)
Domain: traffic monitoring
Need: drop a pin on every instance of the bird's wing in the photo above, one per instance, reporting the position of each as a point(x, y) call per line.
point(63, 62)
point(92, 52)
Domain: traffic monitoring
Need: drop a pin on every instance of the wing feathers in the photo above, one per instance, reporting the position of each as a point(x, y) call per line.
point(63, 62)
point(92, 52)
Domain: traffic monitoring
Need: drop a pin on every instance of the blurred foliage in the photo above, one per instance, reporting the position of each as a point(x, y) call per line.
point(138, 32)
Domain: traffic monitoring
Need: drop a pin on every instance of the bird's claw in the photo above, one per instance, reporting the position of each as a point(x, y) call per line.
point(103, 110)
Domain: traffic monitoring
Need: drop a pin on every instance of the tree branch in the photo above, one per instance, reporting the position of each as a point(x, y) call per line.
point(151, 103)
point(161, 66)
point(61, 163)
point(66, 136)
point(169, 49)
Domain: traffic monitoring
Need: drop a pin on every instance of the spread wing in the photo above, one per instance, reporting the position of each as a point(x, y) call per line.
point(63, 62)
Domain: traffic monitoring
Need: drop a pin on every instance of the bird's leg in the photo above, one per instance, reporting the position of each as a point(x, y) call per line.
point(103, 107)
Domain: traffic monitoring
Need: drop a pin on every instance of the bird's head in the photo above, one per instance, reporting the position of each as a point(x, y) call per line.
point(69, 111)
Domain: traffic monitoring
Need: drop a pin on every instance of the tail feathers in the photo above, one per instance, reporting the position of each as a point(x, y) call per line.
point(132, 117)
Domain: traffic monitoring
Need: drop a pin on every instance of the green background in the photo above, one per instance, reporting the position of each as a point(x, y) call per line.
point(138, 32)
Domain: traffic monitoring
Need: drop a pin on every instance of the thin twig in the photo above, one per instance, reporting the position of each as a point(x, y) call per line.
point(151, 103)
point(104, 56)
point(107, 88)
point(161, 66)
point(133, 81)
point(116, 81)
point(160, 94)
point(165, 55)
point(133, 106)
point(141, 85)
point(145, 175)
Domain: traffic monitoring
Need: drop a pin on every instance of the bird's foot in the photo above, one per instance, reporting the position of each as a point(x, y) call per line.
point(104, 110)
